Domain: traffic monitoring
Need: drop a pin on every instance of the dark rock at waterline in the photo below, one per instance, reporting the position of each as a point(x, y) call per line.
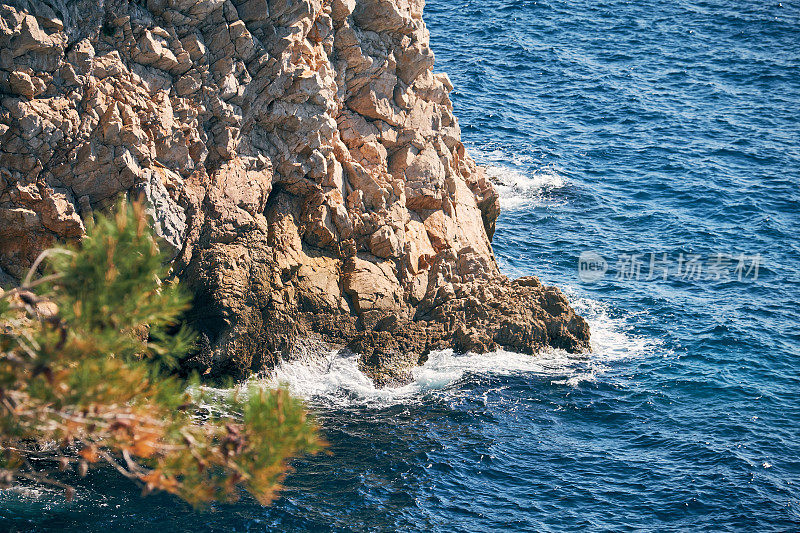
point(479, 316)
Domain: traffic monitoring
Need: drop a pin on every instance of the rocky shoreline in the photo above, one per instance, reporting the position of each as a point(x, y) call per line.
point(303, 166)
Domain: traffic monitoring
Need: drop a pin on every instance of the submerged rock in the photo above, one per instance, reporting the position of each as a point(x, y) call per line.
point(302, 163)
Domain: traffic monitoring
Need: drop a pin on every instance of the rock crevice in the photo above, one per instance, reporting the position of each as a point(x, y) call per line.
point(301, 160)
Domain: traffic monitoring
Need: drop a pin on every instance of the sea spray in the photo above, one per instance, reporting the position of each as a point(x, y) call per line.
point(334, 380)
point(521, 182)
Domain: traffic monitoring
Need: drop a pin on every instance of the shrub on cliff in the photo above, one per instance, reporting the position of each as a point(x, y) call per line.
point(85, 353)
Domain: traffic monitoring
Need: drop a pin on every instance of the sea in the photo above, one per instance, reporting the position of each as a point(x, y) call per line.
point(647, 155)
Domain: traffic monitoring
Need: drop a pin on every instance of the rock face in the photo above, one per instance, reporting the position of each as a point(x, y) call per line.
point(302, 164)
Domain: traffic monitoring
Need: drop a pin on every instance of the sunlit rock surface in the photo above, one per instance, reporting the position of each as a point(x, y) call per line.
point(302, 164)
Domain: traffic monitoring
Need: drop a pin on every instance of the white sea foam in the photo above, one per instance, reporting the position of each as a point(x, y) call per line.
point(612, 335)
point(518, 188)
point(335, 381)
point(30, 500)
point(28, 494)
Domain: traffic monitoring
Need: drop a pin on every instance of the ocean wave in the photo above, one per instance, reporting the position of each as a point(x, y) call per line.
point(521, 189)
point(613, 338)
point(334, 381)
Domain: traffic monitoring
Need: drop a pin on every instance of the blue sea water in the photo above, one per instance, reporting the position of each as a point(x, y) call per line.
point(624, 128)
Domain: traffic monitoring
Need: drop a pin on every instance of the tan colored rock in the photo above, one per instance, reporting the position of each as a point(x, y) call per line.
point(23, 84)
point(302, 166)
point(341, 9)
point(372, 285)
point(420, 250)
point(253, 10)
point(384, 243)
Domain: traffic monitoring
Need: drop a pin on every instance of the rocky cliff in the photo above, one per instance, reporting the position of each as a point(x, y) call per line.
point(301, 161)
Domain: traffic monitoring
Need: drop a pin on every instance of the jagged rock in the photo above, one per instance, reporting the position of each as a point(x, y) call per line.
point(302, 166)
point(168, 218)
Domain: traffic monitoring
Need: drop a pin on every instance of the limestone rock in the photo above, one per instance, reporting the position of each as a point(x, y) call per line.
point(302, 166)
point(169, 220)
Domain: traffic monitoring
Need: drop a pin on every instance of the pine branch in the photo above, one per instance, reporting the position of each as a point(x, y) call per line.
point(84, 355)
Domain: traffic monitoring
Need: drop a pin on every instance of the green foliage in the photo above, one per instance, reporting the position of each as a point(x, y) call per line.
point(84, 359)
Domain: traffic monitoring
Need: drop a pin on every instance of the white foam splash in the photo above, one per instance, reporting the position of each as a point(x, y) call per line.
point(28, 493)
point(32, 500)
point(335, 381)
point(518, 188)
point(612, 336)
